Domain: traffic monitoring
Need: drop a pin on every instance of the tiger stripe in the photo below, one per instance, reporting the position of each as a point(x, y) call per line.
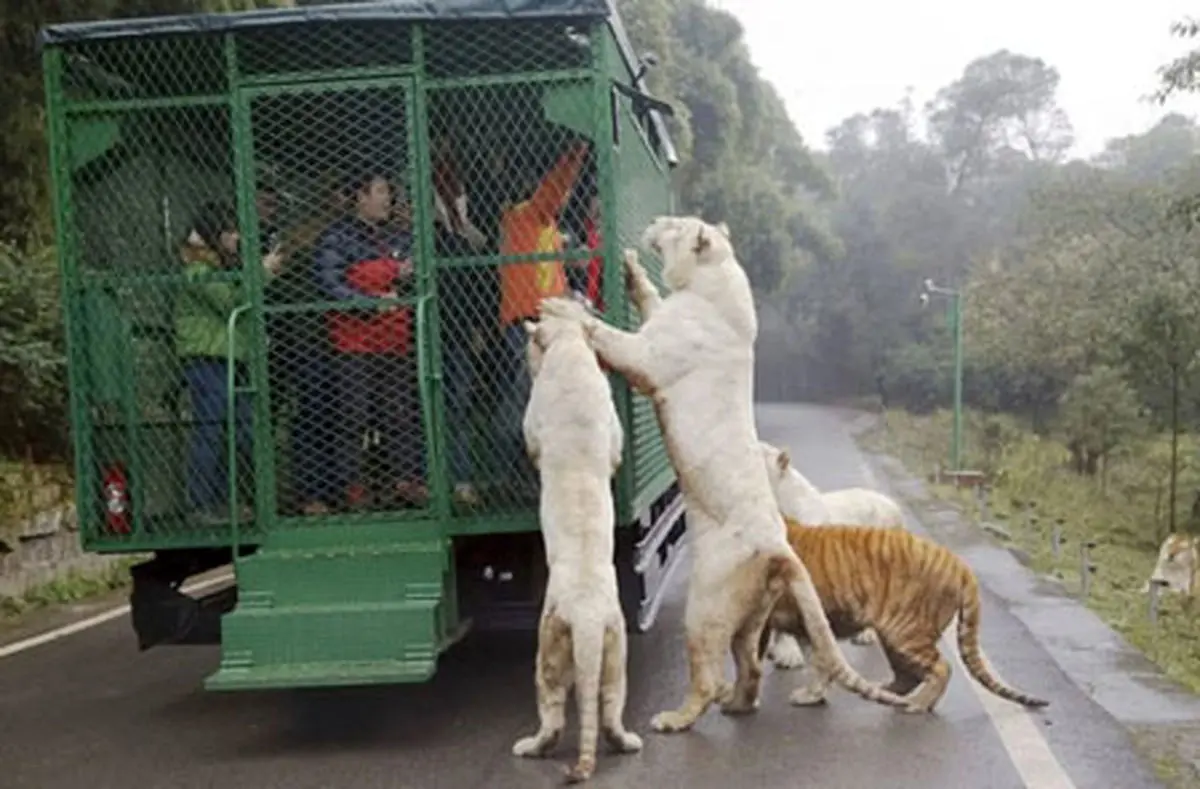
point(908, 589)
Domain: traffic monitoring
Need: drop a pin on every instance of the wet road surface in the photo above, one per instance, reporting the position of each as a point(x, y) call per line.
point(90, 711)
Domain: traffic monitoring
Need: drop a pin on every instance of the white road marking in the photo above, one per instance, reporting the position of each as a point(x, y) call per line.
point(8, 650)
point(1018, 733)
point(1027, 748)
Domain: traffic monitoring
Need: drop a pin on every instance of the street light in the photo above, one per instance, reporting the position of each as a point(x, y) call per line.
point(956, 327)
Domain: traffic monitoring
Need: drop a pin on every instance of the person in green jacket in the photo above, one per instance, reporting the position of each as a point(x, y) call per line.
point(202, 310)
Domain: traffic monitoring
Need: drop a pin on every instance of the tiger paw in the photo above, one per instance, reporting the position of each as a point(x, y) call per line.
point(669, 722)
point(633, 266)
point(530, 747)
point(806, 696)
point(625, 742)
point(786, 652)
point(865, 638)
point(564, 308)
point(738, 707)
point(724, 693)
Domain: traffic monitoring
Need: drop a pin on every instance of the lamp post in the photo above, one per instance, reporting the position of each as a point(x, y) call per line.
point(956, 329)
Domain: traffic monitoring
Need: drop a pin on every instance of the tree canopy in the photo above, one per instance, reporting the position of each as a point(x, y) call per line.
point(1074, 272)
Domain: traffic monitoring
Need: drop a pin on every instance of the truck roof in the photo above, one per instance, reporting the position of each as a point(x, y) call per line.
point(369, 11)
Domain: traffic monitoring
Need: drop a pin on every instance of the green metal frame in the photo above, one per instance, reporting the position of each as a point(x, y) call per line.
point(331, 599)
point(954, 319)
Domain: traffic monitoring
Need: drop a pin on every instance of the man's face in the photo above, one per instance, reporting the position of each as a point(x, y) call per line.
point(375, 200)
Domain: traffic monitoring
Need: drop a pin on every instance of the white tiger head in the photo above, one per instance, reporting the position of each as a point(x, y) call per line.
point(794, 495)
point(547, 331)
point(1177, 560)
point(686, 245)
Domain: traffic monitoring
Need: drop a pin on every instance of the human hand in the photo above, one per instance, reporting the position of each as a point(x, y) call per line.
point(475, 237)
point(273, 260)
point(388, 301)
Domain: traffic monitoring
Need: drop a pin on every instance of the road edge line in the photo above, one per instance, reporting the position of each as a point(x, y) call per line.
point(26, 644)
point(1026, 746)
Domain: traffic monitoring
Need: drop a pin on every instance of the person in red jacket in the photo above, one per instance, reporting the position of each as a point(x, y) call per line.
point(366, 256)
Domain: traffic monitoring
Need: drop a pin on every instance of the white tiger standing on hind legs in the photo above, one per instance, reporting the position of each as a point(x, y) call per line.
point(694, 356)
point(801, 501)
point(574, 438)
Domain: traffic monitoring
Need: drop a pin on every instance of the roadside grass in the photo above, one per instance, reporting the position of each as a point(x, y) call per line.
point(76, 586)
point(1171, 752)
point(1034, 487)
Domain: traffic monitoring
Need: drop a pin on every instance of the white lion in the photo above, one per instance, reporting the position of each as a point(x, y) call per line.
point(694, 356)
point(1178, 558)
point(574, 438)
point(800, 500)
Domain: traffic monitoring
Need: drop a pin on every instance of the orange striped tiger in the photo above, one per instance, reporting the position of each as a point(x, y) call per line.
point(905, 587)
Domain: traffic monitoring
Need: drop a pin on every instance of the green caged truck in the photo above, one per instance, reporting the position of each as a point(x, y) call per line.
point(296, 245)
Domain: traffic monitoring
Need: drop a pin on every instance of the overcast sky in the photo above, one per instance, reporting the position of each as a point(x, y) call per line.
point(831, 58)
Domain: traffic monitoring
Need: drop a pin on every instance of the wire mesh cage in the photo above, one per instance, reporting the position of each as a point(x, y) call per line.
point(298, 256)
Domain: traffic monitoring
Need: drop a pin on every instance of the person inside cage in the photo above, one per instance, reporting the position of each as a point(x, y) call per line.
point(530, 226)
point(266, 204)
point(300, 353)
point(464, 291)
point(202, 342)
point(366, 256)
point(454, 232)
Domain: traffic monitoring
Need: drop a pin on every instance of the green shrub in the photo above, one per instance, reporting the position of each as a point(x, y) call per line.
point(33, 392)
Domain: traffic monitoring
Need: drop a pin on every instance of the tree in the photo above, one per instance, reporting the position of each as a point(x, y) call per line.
point(1099, 412)
point(1039, 319)
point(32, 381)
point(1169, 145)
point(898, 222)
point(1003, 102)
point(1181, 74)
point(749, 165)
point(1162, 339)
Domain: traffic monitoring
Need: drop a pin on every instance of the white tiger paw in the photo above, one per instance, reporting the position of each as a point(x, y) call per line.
point(633, 264)
point(564, 308)
point(786, 653)
point(671, 721)
point(865, 638)
point(530, 747)
point(807, 696)
point(626, 742)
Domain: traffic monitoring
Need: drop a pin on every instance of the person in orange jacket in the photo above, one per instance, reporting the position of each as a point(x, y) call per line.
point(530, 226)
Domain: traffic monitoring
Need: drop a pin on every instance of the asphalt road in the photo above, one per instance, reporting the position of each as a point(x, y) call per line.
point(90, 711)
